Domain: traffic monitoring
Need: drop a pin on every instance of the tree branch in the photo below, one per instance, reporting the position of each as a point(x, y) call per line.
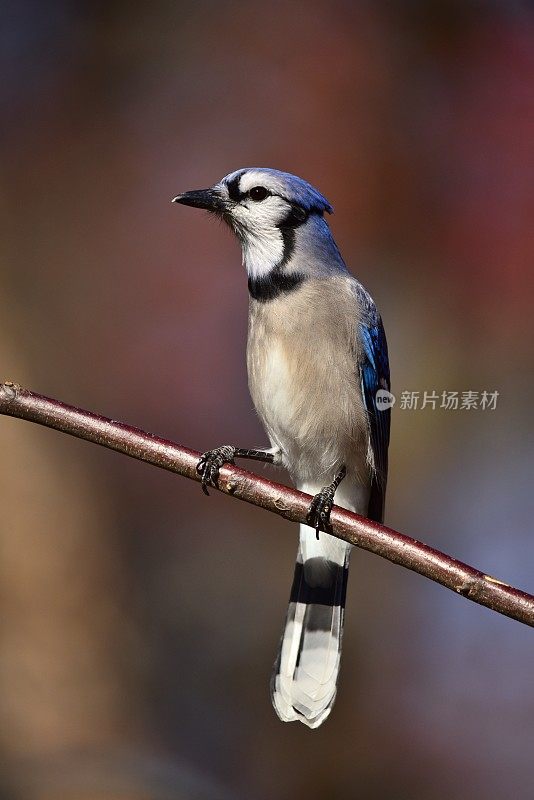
point(396, 547)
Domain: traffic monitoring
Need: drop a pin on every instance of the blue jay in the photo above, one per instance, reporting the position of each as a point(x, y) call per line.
point(316, 358)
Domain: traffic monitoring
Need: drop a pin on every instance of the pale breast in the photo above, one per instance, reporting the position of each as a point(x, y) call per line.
point(303, 375)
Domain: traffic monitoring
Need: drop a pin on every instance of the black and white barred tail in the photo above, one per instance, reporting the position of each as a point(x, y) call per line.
point(304, 681)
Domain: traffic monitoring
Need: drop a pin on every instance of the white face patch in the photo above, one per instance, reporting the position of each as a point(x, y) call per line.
point(257, 223)
point(263, 245)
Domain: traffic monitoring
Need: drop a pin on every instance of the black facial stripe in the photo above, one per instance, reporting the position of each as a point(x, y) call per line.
point(233, 189)
point(277, 282)
point(288, 238)
point(332, 595)
point(273, 285)
point(296, 217)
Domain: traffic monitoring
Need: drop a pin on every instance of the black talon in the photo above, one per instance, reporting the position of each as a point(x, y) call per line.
point(210, 463)
point(318, 516)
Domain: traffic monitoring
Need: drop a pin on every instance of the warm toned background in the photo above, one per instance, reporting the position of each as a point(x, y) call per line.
point(139, 619)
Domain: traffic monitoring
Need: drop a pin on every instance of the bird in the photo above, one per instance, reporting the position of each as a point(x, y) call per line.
point(316, 358)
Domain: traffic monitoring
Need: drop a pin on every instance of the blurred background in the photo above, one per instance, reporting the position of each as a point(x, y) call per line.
point(140, 619)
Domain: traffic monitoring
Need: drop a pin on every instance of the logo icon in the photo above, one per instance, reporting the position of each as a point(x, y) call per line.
point(384, 400)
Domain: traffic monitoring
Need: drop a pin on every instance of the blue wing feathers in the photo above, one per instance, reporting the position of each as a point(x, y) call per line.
point(374, 374)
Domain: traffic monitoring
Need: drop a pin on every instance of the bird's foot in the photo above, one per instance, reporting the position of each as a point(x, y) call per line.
point(318, 515)
point(210, 463)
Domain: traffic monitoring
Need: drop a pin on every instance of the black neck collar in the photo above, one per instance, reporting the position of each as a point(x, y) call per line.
point(271, 286)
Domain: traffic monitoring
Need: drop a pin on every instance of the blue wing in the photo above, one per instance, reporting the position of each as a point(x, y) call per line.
point(374, 375)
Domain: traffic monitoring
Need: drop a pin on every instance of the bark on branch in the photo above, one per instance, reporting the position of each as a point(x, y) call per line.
point(396, 547)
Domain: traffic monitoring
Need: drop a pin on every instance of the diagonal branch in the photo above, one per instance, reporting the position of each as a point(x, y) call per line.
point(288, 503)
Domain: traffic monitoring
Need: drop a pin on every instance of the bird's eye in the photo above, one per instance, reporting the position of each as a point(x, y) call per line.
point(258, 193)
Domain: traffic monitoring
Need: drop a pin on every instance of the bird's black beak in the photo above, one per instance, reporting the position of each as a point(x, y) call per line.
point(209, 199)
